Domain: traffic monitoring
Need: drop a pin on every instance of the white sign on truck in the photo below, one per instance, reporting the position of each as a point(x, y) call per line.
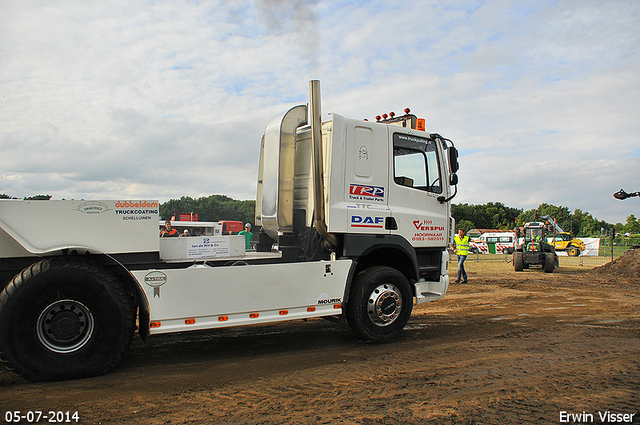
point(355, 219)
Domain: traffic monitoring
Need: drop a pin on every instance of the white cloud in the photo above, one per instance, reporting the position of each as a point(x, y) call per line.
point(170, 98)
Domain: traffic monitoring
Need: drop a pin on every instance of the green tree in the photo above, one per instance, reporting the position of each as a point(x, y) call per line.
point(619, 228)
point(632, 225)
point(493, 215)
point(38, 198)
point(28, 198)
point(579, 223)
point(211, 208)
point(465, 225)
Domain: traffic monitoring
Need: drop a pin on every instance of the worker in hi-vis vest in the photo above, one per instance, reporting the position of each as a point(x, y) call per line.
point(461, 246)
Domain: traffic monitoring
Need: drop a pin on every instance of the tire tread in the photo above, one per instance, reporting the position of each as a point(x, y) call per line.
point(113, 285)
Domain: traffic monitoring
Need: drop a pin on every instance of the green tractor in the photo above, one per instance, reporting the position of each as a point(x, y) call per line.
point(535, 251)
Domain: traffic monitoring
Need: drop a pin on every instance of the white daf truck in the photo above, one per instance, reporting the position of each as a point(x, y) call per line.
point(355, 219)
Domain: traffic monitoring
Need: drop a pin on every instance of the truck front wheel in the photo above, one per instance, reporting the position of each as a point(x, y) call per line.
point(380, 303)
point(64, 318)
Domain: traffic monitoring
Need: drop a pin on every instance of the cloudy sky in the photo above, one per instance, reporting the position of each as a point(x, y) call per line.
point(160, 99)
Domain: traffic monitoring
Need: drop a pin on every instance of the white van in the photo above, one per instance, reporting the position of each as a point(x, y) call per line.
point(494, 243)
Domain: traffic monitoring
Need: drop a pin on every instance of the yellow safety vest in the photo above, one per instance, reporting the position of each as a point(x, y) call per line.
point(462, 245)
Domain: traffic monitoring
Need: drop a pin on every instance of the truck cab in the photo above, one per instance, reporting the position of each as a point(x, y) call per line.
point(385, 192)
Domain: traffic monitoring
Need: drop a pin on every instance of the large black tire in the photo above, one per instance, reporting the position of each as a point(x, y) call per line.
point(64, 318)
point(549, 262)
point(518, 261)
point(380, 303)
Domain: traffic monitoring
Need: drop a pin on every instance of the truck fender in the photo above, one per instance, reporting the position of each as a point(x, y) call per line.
point(363, 250)
point(132, 284)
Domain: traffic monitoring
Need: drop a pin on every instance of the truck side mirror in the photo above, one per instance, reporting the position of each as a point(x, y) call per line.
point(452, 153)
point(453, 159)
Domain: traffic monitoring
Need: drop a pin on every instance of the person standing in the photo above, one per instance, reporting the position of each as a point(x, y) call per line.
point(168, 231)
point(247, 236)
point(461, 246)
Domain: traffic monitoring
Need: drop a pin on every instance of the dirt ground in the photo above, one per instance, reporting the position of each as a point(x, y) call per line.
point(507, 348)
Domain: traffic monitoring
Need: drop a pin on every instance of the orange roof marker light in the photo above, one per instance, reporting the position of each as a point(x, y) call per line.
point(254, 315)
point(154, 324)
point(408, 120)
point(311, 309)
point(337, 306)
point(189, 321)
point(223, 318)
point(283, 312)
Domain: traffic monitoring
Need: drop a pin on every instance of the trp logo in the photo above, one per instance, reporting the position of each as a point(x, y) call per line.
point(363, 190)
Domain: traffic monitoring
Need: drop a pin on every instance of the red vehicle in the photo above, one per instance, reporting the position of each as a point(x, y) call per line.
point(230, 226)
point(184, 217)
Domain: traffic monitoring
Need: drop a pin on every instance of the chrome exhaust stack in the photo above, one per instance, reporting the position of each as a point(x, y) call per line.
point(315, 119)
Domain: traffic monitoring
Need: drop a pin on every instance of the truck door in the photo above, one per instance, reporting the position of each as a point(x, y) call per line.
point(416, 181)
point(367, 175)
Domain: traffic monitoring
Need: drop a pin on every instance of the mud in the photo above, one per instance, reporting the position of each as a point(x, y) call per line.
point(507, 348)
point(627, 266)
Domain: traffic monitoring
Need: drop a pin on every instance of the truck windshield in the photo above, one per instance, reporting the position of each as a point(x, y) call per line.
point(415, 162)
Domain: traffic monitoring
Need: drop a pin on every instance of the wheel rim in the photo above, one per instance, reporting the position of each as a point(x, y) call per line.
point(384, 305)
point(65, 326)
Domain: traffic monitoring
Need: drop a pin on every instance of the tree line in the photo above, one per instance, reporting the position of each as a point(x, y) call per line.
point(495, 215)
point(27, 198)
point(211, 208)
point(492, 215)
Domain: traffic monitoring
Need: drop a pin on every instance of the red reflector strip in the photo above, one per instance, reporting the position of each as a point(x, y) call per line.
point(223, 318)
point(189, 321)
point(311, 309)
point(337, 306)
point(154, 324)
point(254, 315)
point(283, 312)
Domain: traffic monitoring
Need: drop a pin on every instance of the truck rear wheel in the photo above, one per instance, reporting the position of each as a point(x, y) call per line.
point(518, 261)
point(380, 303)
point(573, 251)
point(549, 262)
point(64, 318)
